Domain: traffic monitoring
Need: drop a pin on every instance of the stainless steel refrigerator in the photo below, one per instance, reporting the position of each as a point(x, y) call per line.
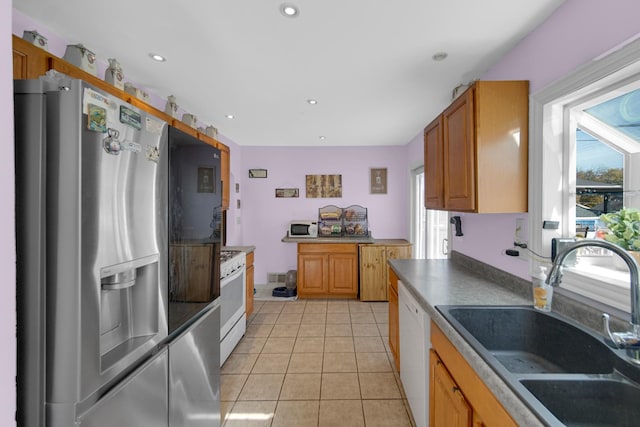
point(92, 208)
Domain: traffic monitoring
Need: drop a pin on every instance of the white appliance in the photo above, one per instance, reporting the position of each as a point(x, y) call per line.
point(303, 228)
point(415, 343)
point(233, 321)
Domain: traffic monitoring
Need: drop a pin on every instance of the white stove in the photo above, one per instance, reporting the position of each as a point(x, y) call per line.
point(231, 261)
point(233, 320)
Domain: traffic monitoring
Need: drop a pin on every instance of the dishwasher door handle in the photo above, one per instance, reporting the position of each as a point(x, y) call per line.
point(411, 309)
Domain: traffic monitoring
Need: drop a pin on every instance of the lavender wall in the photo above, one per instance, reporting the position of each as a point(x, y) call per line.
point(7, 229)
point(264, 218)
point(579, 31)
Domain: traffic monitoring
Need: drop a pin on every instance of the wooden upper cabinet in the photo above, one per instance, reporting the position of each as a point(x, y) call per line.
point(225, 165)
point(459, 154)
point(484, 151)
point(29, 61)
point(433, 162)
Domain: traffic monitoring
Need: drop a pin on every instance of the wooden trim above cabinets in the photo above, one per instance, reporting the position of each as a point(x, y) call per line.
point(31, 62)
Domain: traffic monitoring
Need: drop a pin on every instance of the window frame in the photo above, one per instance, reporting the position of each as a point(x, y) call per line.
point(550, 179)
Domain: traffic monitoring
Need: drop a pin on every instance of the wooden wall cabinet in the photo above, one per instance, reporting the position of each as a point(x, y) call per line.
point(225, 164)
point(394, 318)
point(250, 283)
point(374, 279)
point(457, 396)
point(31, 62)
point(476, 151)
point(327, 270)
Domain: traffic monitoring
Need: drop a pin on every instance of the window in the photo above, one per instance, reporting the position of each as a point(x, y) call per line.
point(594, 112)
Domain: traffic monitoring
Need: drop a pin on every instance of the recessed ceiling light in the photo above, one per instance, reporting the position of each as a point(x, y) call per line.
point(157, 57)
point(322, 138)
point(312, 101)
point(289, 10)
point(229, 116)
point(440, 56)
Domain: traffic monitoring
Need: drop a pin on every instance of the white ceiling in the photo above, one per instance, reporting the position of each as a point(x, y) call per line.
point(367, 62)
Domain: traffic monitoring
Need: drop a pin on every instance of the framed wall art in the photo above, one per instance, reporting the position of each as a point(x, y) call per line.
point(321, 186)
point(206, 179)
point(378, 180)
point(287, 192)
point(257, 173)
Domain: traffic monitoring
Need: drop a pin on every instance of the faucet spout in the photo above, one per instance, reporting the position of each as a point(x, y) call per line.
point(629, 340)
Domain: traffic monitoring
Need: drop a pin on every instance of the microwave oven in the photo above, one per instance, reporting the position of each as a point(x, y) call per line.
point(303, 228)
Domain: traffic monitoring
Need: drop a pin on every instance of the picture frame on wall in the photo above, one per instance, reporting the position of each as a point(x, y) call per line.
point(378, 180)
point(322, 186)
point(287, 192)
point(206, 179)
point(257, 173)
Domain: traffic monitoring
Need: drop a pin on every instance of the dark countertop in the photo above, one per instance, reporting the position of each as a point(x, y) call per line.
point(344, 239)
point(460, 281)
point(247, 249)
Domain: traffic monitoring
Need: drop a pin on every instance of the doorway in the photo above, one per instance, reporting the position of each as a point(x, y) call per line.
point(429, 227)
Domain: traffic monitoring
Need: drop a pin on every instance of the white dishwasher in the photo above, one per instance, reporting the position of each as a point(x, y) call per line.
point(415, 343)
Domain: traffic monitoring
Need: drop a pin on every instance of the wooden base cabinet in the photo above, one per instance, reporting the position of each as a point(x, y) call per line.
point(374, 280)
point(327, 270)
point(394, 318)
point(457, 396)
point(250, 283)
point(449, 408)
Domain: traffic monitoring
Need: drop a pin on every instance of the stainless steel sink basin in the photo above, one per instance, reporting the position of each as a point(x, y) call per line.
point(524, 340)
point(566, 374)
point(589, 402)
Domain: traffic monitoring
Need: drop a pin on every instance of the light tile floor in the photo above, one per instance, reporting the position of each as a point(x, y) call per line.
point(314, 363)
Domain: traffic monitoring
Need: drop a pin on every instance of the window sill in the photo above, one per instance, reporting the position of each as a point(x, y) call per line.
point(604, 285)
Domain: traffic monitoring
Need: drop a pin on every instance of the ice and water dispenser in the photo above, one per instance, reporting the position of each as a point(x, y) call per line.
point(127, 293)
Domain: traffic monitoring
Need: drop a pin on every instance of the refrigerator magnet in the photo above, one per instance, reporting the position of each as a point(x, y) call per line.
point(130, 117)
point(97, 118)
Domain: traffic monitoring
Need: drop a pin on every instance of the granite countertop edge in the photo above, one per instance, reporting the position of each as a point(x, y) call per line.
point(449, 282)
point(247, 249)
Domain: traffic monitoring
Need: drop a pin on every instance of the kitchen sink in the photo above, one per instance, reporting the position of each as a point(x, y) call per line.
point(524, 340)
point(589, 402)
point(566, 374)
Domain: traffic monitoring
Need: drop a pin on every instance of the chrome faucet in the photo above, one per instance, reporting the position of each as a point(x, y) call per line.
point(629, 340)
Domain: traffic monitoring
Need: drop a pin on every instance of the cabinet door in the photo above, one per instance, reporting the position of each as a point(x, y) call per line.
point(29, 61)
point(394, 320)
point(448, 407)
point(343, 274)
point(433, 165)
point(225, 166)
point(373, 268)
point(459, 154)
point(250, 284)
point(312, 274)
